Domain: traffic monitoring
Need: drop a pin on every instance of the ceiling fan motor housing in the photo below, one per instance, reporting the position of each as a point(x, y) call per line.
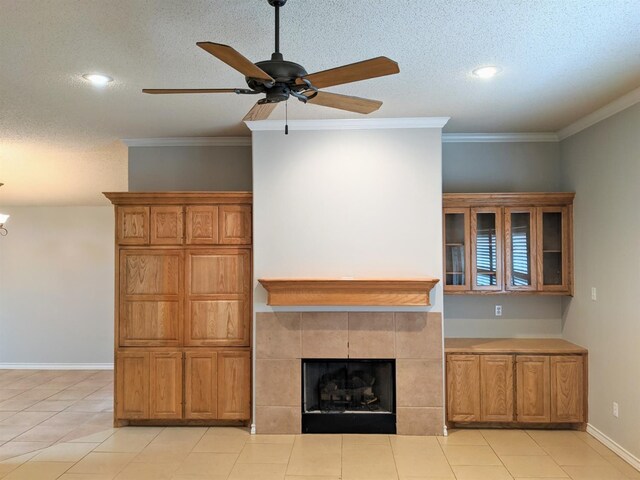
point(284, 73)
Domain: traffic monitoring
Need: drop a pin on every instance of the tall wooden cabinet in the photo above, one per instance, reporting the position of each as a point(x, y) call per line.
point(508, 243)
point(183, 307)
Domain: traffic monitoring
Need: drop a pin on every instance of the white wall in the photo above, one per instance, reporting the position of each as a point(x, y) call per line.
point(602, 164)
point(56, 285)
point(355, 203)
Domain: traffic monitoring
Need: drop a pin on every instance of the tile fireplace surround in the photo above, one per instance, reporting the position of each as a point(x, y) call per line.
point(414, 339)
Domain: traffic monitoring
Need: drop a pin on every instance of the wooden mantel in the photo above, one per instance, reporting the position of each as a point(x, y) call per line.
point(406, 292)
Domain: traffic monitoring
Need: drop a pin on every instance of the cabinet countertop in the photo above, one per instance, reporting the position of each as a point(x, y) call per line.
point(512, 345)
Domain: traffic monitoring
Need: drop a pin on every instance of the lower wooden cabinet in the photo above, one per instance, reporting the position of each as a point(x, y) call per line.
point(513, 388)
point(198, 384)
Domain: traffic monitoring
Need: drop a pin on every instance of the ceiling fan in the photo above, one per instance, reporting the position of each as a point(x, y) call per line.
point(278, 78)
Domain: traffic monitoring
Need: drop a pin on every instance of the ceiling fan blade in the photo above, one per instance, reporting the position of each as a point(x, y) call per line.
point(372, 68)
point(159, 91)
point(235, 60)
point(260, 111)
point(344, 102)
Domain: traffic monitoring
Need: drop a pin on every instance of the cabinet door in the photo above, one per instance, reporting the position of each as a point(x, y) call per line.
point(486, 248)
point(520, 236)
point(553, 249)
point(133, 226)
point(234, 385)
point(150, 311)
point(218, 297)
point(165, 385)
point(567, 388)
point(201, 384)
point(132, 385)
point(235, 224)
point(496, 388)
point(202, 225)
point(463, 388)
point(456, 230)
point(166, 225)
point(532, 390)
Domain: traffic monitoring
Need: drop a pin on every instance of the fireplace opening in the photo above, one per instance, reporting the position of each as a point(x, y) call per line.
point(348, 396)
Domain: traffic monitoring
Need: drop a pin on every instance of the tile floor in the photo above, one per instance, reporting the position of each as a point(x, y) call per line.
point(89, 450)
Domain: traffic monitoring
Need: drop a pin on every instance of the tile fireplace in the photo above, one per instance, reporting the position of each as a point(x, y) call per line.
point(291, 347)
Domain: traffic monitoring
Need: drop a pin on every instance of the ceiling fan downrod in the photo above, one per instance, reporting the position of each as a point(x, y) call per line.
point(277, 4)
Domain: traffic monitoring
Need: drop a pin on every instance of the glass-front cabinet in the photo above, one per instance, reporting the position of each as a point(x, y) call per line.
point(508, 243)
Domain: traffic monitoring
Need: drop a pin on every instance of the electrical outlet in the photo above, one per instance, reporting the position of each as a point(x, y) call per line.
point(498, 310)
point(594, 295)
point(616, 413)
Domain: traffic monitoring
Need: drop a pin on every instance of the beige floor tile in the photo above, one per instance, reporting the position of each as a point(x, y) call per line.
point(554, 438)
point(362, 453)
point(365, 440)
point(65, 452)
point(265, 453)
point(312, 477)
point(236, 431)
point(213, 442)
point(100, 436)
point(594, 472)
point(39, 471)
point(481, 472)
point(470, 455)
point(408, 444)
point(41, 433)
point(9, 432)
point(595, 444)
point(102, 462)
point(207, 464)
point(318, 444)
point(289, 439)
point(13, 449)
point(532, 466)
point(463, 437)
point(179, 476)
point(128, 440)
point(4, 415)
point(152, 455)
point(624, 467)
point(50, 406)
point(148, 471)
point(423, 466)
point(12, 463)
point(28, 419)
point(66, 418)
point(318, 464)
point(571, 454)
point(369, 471)
point(85, 476)
point(258, 471)
point(512, 442)
point(91, 406)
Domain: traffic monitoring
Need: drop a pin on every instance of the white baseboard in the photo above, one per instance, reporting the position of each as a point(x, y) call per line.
point(612, 445)
point(56, 366)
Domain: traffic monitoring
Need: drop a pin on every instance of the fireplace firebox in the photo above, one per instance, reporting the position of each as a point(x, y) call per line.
point(348, 396)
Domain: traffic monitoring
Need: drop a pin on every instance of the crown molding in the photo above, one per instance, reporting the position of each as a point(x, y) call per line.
point(499, 137)
point(603, 113)
point(188, 142)
point(350, 124)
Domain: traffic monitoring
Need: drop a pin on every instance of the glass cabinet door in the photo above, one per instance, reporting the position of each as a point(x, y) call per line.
point(520, 229)
point(486, 248)
point(456, 249)
point(553, 252)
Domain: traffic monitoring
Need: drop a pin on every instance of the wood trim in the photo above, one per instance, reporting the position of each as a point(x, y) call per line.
point(512, 345)
point(339, 292)
point(179, 198)
point(510, 199)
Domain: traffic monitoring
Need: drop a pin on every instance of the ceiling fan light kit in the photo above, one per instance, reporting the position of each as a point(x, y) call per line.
point(278, 79)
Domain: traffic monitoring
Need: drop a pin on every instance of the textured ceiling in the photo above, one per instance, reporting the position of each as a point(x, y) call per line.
point(560, 59)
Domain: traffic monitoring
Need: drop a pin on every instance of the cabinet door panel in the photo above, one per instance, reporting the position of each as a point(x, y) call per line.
point(532, 390)
point(150, 298)
point(133, 226)
point(217, 273)
point(166, 385)
point(132, 385)
point(234, 385)
point(496, 386)
point(553, 249)
point(201, 385)
point(457, 249)
point(235, 224)
point(166, 225)
point(463, 388)
point(521, 253)
point(486, 249)
point(567, 374)
point(218, 322)
point(202, 225)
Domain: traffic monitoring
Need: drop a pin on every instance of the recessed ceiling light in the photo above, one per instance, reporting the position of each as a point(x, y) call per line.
point(486, 72)
point(97, 79)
